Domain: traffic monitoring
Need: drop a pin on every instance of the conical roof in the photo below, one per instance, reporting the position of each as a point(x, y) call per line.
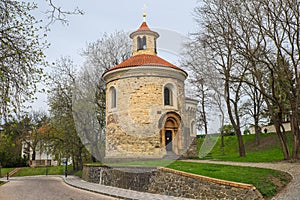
point(144, 59)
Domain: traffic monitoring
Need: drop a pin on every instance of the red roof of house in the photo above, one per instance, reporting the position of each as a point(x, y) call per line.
point(144, 60)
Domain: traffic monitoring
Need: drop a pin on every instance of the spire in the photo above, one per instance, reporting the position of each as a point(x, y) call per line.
point(144, 17)
point(144, 39)
point(144, 14)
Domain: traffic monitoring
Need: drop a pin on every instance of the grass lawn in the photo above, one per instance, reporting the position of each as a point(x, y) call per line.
point(52, 170)
point(268, 150)
point(4, 171)
point(267, 181)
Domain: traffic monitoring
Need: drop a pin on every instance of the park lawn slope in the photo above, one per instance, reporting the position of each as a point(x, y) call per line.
point(31, 171)
point(267, 181)
point(268, 150)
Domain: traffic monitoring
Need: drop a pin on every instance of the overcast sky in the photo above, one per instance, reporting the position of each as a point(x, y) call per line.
point(110, 15)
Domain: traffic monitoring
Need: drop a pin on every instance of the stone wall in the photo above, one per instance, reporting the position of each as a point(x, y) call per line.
point(132, 127)
point(169, 182)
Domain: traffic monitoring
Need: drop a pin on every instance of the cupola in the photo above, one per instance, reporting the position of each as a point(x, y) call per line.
point(144, 39)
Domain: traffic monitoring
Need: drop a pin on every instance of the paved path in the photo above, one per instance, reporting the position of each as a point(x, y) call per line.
point(291, 192)
point(44, 188)
point(117, 192)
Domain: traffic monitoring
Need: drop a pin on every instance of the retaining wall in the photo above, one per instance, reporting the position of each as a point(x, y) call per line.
point(169, 182)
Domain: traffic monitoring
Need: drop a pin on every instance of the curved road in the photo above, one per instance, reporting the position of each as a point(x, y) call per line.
point(46, 188)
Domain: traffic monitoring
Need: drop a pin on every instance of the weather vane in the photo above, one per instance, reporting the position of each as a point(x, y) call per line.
point(144, 14)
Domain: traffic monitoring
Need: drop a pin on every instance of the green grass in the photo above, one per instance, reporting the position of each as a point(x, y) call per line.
point(52, 170)
point(4, 171)
point(268, 150)
point(267, 181)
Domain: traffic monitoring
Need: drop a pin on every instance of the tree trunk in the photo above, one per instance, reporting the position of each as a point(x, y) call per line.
point(234, 121)
point(295, 131)
point(33, 154)
point(295, 127)
point(242, 149)
point(283, 141)
point(222, 143)
point(257, 130)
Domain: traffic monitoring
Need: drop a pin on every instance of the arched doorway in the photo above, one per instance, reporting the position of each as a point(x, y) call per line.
point(170, 133)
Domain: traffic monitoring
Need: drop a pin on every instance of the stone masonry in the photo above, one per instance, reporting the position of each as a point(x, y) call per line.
point(169, 182)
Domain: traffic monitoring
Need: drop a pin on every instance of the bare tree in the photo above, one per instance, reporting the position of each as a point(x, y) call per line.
point(108, 51)
point(194, 59)
point(263, 37)
point(90, 103)
point(219, 38)
point(253, 106)
point(57, 13)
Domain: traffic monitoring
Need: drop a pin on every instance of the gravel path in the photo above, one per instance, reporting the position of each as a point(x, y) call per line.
point(291, 192)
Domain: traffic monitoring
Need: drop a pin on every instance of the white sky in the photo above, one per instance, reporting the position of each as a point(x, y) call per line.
point(111, 15)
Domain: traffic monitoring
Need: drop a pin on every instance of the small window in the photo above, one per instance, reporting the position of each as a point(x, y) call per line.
point(144, 43)
point(167, 96)
point(139, 43)
point(113, 95)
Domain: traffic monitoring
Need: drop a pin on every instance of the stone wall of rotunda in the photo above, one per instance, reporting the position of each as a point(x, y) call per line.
point(132, 126)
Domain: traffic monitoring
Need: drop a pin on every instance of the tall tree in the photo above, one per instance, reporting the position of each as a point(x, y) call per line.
point(253, 106)
point(89, 103)
point(266, 43)
point(21, 55)
point(219, 37)
point(66, 140)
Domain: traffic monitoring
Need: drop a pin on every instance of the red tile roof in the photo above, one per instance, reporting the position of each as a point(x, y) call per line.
point(144, 27)
point(144, 60)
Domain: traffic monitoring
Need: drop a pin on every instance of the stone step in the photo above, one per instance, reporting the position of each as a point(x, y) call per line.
point(13, 172)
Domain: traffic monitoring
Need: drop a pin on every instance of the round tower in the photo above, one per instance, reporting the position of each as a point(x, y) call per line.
point(145, 103)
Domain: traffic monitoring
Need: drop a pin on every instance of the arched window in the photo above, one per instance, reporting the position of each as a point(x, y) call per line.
point(144, 45)
point(139, 43)
point(113, 95)
point(167, 96)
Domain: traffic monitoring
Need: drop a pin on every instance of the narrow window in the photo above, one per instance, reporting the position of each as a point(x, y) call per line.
point(167, 96)
point(144, 43)
point(155, 46)
point(113, 97)
point(139, 43)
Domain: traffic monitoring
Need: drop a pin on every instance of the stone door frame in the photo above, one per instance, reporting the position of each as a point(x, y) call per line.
point(172, 122)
